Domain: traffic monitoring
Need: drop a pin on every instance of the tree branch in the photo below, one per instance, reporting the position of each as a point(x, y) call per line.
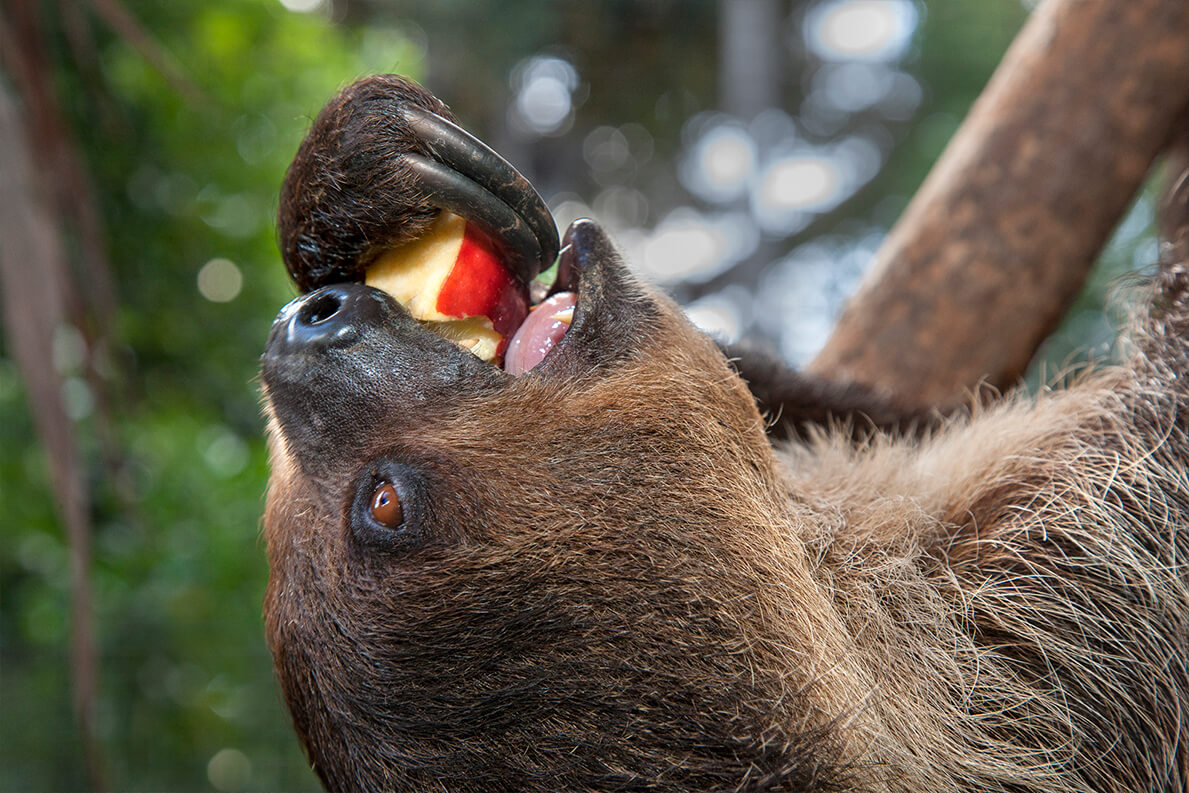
point(998, 241)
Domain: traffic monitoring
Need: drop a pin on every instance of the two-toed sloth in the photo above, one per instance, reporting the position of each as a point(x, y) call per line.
point(604, 574)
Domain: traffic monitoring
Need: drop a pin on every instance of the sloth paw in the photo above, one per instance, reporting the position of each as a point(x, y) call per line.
point(380, 163)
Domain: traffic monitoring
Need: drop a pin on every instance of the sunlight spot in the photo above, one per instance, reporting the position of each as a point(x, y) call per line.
point(722, 162)
point(220, 280)
point(621, 207)
point(606, 149)
point(852, 86)
point(723, 314)
point(803, 183)
point(229, 769)
point(688, 245)
point(544, 93)
point(77, 398)
point(304, 6)
point(566, 208)
point(224, 452)
point(874, 30)
point(69, 349)
point(801, 296)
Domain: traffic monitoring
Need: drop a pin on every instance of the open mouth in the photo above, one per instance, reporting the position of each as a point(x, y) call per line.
point(486, 274)
point(455, 281)
point(549, 317)
point(475, 277)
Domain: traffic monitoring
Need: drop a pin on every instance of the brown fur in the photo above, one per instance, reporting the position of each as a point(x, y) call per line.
point(627, 587)
point(611, 579)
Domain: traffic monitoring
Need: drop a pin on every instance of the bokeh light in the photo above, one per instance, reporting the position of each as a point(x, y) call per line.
point(722, 161)
point(801, 295)
point(220, 280)
point(304, 6)
point(544, 87)
point(726, 315)
point(807, 183)
point(870, 30)
point(689, 245)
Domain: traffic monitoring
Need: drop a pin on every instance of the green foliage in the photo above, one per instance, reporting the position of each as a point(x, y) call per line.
point(187, 697)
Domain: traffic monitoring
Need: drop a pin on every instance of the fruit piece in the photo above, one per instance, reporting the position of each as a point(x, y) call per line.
point(475, 334)
point(452, 279)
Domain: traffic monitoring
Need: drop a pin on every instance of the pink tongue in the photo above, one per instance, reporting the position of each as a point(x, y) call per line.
point(545, 326)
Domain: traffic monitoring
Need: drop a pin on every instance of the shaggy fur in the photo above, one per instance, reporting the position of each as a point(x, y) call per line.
point(346, 196)
point(610, 579)
point(620, 584)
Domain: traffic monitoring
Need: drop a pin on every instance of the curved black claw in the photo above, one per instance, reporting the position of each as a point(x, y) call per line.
point(449, 189)
point(468, 178)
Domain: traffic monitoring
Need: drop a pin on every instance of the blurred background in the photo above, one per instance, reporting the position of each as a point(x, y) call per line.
point(749, 156)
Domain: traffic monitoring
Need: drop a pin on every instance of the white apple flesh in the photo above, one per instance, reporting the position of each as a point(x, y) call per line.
point(451, 278)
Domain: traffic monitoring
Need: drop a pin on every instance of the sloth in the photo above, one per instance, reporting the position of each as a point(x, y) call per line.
point(624, 569)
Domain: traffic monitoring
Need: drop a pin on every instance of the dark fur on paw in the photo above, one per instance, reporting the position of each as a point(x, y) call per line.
point(347, 194)
point(382, 159)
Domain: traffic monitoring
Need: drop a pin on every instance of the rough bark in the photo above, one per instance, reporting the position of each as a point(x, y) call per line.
point(999, 239)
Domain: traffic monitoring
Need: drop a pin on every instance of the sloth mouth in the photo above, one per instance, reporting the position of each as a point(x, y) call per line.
point(471, 277)
point(542, 329)
point(349, 343)
point(460, 284)
point(550, 315)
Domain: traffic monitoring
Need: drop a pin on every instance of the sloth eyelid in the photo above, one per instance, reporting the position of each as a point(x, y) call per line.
point(386, 512)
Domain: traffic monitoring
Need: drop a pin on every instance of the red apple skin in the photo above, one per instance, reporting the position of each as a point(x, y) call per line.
point(480, 285)
point(452, 277)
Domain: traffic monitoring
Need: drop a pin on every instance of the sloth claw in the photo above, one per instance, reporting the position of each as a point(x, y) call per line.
point(448, 189)
point(465, 176)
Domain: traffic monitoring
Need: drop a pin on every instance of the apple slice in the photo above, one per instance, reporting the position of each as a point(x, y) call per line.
point(452, 279)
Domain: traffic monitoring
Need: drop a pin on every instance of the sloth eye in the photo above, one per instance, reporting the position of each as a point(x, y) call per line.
point(385, 506)
point(388, 508)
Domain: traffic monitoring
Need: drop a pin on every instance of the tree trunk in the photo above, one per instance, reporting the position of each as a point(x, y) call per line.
point(998, 240)
point(33, 286)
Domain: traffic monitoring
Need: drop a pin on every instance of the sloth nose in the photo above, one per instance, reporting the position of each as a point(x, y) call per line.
point(333, 316)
